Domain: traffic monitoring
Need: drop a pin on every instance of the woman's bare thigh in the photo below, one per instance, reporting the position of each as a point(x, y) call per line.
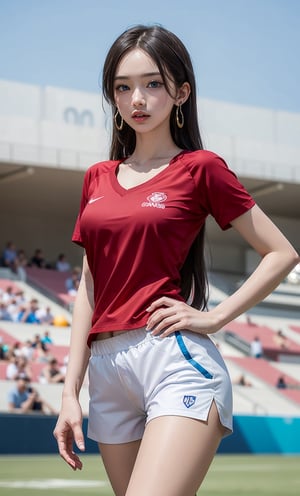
point(119, 460)
point(174, 455)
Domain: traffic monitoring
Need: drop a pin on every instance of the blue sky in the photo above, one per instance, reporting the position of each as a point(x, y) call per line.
point(244, 51)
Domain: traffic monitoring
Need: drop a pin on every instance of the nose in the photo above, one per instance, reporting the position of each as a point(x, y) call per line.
point(138, 98)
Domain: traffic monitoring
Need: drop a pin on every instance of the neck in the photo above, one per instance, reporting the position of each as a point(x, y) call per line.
point(150, 149)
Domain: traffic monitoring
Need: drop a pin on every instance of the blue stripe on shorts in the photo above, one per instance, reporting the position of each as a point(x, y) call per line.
point(189, 358)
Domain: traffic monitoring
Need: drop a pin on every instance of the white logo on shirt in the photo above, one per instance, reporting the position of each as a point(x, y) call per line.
point(92, 200)
point(155, 200)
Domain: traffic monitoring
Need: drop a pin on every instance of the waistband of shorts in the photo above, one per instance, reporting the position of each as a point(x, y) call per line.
point(121, 342)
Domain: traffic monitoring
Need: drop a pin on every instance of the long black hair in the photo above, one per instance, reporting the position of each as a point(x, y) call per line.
point(173, 62)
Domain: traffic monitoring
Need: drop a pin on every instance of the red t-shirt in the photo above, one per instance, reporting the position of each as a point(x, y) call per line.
point(136, 240)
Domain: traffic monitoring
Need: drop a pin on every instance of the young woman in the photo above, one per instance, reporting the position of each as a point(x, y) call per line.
point(160, 392)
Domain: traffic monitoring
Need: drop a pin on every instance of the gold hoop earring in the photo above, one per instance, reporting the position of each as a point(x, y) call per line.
point(179, 117)
point(118, 126)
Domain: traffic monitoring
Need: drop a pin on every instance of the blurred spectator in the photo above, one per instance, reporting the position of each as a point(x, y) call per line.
point(281, 340)
point(12, 368)
point(19, 297)
point(18, 367)
point(9, 304)
point(40, 353)
point(4, 313)
point(28, 314)
point(62, 265)
point(9, 256)
point(242, 381)
point(40, 350)
point(27, 350)
point(250, 321)
point(16, 349)
point(4, 350)
point(23, 399)
point(72, 282)
point(36, 340)
point(281, 383)
point(22, 263)
point(13, 309)
point(38, 260)
point(18, 397)
point(46, 339)
point(8, 295)
point(45, 315)
point(52, 373)
point(256, 349)
point(24, 369)
point(73, 291)
point(63, 368)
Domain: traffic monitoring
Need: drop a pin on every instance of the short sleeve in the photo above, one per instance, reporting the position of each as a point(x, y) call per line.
point(224, 196)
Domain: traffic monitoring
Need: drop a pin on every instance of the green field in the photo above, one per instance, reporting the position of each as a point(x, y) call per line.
point(229, 475)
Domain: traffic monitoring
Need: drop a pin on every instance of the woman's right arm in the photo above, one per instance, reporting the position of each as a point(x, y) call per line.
point(69, 424)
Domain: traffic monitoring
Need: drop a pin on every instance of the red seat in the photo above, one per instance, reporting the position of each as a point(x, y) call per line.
point(295, 328)
point(8, 338)
point(4, 283)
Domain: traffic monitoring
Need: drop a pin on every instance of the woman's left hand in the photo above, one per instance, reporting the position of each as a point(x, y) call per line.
point(169, 315)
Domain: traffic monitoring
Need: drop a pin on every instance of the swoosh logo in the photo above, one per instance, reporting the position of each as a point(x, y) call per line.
point(92, 200)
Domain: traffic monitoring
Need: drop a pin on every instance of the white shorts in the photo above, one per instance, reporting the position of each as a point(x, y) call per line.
point(135, 377)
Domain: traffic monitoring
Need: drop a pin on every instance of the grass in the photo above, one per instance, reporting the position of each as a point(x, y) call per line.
point(234, 475)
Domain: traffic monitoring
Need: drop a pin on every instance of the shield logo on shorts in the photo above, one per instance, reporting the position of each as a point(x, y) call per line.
point(189, 401)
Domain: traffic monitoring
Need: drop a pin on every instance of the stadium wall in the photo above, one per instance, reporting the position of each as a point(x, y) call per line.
point(32, 434)
point(64, 128)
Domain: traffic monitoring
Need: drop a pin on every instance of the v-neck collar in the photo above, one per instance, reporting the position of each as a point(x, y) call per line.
point(124, 191)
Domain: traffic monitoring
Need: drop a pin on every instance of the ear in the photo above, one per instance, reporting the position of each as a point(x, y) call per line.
point(183, 93)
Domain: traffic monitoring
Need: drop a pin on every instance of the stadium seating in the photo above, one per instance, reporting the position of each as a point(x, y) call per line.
point(51, 283)
point(235, 339)
point(264, 370)
point(245, 334)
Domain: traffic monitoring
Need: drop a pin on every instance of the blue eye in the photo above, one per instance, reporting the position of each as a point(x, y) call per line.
point(155, 84)
point(122, 87)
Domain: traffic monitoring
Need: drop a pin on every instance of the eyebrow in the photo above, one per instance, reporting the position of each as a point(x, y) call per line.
point(146, 74)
